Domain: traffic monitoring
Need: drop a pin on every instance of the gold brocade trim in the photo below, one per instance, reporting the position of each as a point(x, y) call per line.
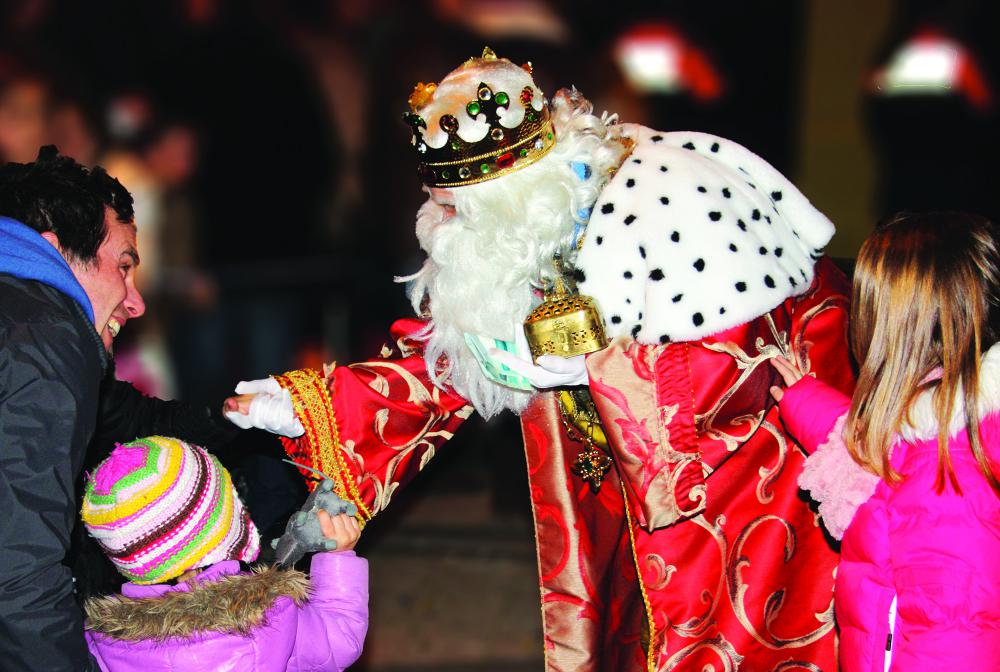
point(650, 648)
point(578, 408)
point(314, 409)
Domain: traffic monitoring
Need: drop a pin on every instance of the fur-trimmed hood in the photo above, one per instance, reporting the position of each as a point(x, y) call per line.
point(923, 425)
point(233, 603)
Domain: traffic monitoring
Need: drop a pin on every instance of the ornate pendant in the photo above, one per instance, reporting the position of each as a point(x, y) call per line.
point(591, 465)
point(579, 416)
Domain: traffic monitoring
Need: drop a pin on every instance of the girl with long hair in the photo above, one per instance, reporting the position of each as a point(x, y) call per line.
point(905, 471)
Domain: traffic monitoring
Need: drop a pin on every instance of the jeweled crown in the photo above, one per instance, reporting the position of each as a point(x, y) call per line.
point(500, 151)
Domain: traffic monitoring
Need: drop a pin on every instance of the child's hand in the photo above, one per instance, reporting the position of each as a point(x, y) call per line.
point(789, 373)
point(342, 528)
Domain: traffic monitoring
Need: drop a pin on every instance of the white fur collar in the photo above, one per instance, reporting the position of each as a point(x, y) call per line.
point(923, 423)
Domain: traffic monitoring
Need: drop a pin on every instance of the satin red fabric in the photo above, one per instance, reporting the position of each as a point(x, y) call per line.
point(698, 552)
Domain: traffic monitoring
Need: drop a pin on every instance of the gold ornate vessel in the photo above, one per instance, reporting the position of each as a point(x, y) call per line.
point(564, 324)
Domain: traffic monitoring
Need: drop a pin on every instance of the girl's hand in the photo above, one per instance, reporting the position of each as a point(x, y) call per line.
point(788, 372)
point(342, 528)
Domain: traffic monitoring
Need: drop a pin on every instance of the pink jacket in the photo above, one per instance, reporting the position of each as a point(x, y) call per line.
point(940, 554)
point(324, 631)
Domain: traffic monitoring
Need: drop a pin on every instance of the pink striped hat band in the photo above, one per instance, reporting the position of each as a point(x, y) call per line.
point(159, 507)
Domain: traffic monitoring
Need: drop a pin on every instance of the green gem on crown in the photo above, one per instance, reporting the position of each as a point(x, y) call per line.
point(501, 98)
point(473, 109)
point(484, 168)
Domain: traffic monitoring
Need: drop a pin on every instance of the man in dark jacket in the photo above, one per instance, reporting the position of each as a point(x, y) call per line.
point(67, 286)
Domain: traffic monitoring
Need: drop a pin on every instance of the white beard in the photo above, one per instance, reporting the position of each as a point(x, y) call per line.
point(473, 287)
point(486, 260)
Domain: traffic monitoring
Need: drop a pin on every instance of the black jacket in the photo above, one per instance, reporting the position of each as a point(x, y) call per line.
point(58, 395)
point(51, 365)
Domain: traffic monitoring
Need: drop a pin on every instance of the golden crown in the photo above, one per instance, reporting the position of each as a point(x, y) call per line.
point(501, 151)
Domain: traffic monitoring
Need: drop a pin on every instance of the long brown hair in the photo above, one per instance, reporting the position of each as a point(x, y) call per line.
point(926, 296)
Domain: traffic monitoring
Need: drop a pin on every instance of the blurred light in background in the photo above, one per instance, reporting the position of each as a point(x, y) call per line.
point(656, 58)
point(933, 64)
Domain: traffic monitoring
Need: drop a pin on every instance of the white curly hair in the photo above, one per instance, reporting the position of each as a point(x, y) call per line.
point(490, 247)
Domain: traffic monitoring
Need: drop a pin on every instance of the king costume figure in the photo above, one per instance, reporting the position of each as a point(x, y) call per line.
point(671, 532)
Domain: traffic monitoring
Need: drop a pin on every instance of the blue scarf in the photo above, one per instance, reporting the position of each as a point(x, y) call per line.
point(26, 255)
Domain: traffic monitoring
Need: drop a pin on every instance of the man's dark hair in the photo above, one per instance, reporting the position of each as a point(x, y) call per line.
point(57, 194)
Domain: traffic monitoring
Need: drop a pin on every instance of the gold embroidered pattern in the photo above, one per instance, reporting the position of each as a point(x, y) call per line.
point(314, 408)
point(650, 634)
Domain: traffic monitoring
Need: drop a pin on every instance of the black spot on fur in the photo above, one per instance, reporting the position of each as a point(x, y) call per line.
point(776, 195)
point(699, 265)
point(642, 251)
point(600, 239)
point(615, 319)
point(635, 330)
point(755, 215)
point(675, 236)
point(629, 219)
point(636, 160)
point(697, 319)
point(579, 275)
point(656, 138)
point(656, 274)
point(740, 223)
point(664, 339)
point(733, 248)
point(762, 250)
point(792, 282)
point(726, 193)
point(769, 281)
point(715, 215)
point(608, 208)
point(722, 311)
point(778, 251)
point(664, 200)
point(628, 275)
point(688, 145)
point(677, 299)
point(741, 286)
point(663, 169)
point(630, 183)
point(702, 190)
point(715, 147)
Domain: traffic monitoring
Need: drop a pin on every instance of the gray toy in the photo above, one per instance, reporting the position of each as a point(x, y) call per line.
point(303, 533)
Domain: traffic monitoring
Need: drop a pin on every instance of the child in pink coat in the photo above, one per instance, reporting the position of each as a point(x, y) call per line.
point(167, 515)
point(905, 471)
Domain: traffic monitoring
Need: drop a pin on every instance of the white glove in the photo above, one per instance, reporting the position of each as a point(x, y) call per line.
point(551, 370)
point(271, 409)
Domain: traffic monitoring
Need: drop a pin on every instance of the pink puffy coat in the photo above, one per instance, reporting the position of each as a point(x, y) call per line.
point(291, 623)
point(939, 553)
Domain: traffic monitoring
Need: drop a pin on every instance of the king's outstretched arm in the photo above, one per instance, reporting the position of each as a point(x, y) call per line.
point(372, 426)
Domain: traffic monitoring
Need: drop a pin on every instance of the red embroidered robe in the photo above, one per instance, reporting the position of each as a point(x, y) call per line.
point(698, 553)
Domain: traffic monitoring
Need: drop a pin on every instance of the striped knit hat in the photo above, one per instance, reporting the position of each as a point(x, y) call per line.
point(159, 507)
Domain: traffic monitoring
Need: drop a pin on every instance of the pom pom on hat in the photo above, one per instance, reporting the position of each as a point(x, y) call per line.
point(159, 507)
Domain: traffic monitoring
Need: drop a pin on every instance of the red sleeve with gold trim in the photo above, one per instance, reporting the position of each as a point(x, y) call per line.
point(372, 426)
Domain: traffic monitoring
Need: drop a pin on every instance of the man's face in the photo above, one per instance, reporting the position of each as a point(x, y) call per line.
point(110, 280)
